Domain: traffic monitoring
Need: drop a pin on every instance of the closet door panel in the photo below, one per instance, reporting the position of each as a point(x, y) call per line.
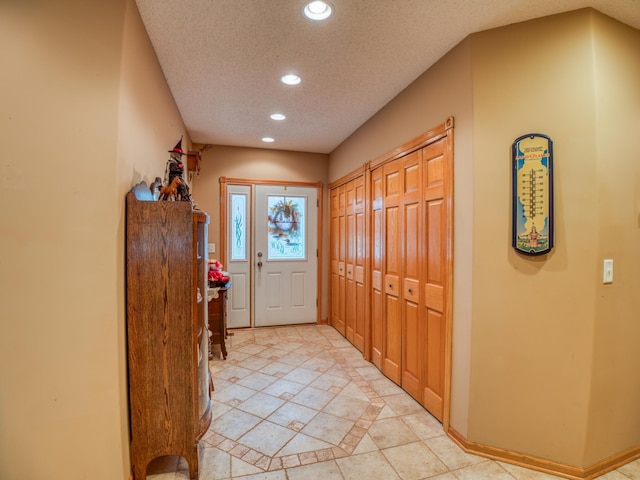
point(392, 178)
point(411, 238)
point(350, 254)
point(359, 262)
point(335, 258)
point(434, 388)
point(412, 350)
point(435, 267)
point(342, 270)
point(377, 241)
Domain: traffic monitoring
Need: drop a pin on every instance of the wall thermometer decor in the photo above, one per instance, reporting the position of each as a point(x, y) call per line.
point(532, 209)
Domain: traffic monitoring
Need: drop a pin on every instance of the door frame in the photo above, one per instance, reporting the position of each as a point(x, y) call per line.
point(224, 182)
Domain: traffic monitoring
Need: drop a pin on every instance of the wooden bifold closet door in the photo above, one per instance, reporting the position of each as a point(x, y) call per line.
point(401, 312)
point(409, 232)
point(348, 257)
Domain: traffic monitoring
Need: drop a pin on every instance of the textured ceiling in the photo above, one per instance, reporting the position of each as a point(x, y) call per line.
point(223, 59)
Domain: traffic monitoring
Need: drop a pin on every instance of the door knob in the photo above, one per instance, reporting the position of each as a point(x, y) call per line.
point(259, 264)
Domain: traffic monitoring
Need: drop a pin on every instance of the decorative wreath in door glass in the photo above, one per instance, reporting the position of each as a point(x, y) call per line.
point(284, 218)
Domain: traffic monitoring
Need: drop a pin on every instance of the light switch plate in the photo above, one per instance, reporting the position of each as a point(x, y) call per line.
point(607, 271)
point(212, 248)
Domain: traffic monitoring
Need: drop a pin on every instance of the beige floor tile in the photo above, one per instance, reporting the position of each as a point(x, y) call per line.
point(328, 428)
point(303, 443)
point(386, 412)
point(267, 438)
point(251, 349)
point(384, 386)
point(218, 409)
point(614, 475)
point(526, 474)
point(450, 454)
point(283, 387)
point(295, 357)
point(319, 363)
point(313, 397)
point(328, 381)
point(369, 466)
point(214, 464)
point(241, 468)
point(320, 471)
point(231, 393)
point(352, 390)
point(302, 375)
point(234, 371)
point(488, 470)
point(346, 407)
point(403, 404)
point(391, 432)
point(444, 476)
point(289, 413)
point(234, 424)
point(273, 354)
point(423, 425)
point(277, 475)
point(631, 470)
point(257, 380)
point(366, 445)
point(370, 372)
point(414, 461)
point(261, 405)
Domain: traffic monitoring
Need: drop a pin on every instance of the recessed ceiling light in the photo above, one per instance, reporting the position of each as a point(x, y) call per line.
point(267, 139)
point(278, 116)
point(317, 10)
point(291, 79)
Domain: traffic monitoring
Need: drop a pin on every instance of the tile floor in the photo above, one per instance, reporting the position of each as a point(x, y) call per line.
point(300, 403)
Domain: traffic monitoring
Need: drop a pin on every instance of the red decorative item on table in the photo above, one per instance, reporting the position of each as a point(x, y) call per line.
point(217, 278)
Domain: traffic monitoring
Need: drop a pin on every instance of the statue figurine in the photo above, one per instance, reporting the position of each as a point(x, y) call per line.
point(175, 169)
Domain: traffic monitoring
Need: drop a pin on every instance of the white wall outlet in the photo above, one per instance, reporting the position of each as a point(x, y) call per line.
point(607, 271)
point(212, 248)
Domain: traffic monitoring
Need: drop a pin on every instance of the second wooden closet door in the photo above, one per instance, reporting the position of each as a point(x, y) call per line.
point(355, 238)
point(348, 256)
point(409, 272)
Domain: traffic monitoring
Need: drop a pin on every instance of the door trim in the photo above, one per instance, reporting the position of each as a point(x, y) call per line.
point(225, 181)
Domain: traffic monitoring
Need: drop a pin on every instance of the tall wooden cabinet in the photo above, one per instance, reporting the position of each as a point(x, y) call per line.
point(409, 236)
point(169, 379)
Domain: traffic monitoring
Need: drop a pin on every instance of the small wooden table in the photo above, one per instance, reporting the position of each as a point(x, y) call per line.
point(217, 309)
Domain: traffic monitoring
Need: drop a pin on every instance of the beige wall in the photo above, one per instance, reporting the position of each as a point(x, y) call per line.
point(532, 330)
point(543, 354)
point(260, 164)
point(615, 388)
point(86, 113)
point(537, 323)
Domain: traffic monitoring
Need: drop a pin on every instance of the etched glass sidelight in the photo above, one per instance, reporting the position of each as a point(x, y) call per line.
point(286, 227)
point(239, 226)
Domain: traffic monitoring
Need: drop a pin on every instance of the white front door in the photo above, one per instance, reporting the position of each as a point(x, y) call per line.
point(285, 255)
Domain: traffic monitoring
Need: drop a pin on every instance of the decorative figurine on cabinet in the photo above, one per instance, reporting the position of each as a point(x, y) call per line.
point(175, 170)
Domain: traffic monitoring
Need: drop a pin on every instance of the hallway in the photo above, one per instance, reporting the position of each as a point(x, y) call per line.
point(300, 403)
